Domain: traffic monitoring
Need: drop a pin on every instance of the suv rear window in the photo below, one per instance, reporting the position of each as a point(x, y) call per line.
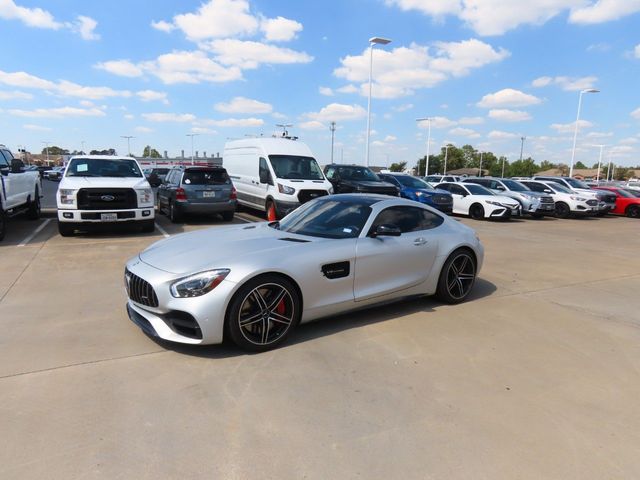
point(216, 176)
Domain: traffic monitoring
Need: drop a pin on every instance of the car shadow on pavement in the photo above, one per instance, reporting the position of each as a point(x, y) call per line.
point(335, 324)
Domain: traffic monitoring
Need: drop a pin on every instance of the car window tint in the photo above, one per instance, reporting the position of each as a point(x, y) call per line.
point(4, 162)
point(330, 172)
point(457, 189)
point(407, 219)
point(536, 187)
point(216, 176)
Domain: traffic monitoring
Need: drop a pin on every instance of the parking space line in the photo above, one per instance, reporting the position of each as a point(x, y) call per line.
point(162, 231)
point(34, 233)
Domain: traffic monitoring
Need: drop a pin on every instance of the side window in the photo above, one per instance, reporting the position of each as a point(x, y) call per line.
point(457, 190)
point(330, 173)
point(263, 170)
point(407, 219)
point(4, 161)
point(167, 179)
point(177, 177)
point(392, 180)
point(536, 187)
point(445, 187)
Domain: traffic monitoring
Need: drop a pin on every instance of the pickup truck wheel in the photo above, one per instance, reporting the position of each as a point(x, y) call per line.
point(66, 229)
point(3, 223)
point(34, 207)
point(148, 226)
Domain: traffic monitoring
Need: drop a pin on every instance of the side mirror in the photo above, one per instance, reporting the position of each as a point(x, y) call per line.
point(264, 176)
point(17, 166)
point(500, 187)
point(387, 230)
point(4, 171)
point(546, 190)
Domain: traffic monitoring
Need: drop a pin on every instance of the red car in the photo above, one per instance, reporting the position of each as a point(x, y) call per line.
point(626, 203)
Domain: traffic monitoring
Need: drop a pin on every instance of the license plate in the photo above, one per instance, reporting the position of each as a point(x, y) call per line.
point(108, 217)
point(208, 194)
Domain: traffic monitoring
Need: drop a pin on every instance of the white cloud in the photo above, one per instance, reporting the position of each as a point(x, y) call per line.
point(501, 135)
point(128, 116)
point(152, 95)
point(326, 91)
point(217, 19)
point(25, 80)
point(348, 89)
point(390, 138)
point(203, 131)
point(235, 122)
point(312, 125)
point(402, 108)
point(169, 117)
point(636, 113)
point(495, 17)
point(569, 127)
point(59, 112)
point(566, 83)
point(636, 51)
point(36, 128)
point(604, 11)
point(244, 105)
point(471, 121)
point(86, 26)
point(190, 67)
point(629, 141)
point(143, 129)
point(437, 122)
point(279, 116)
point(280, 29)
point(598, 134)
point(506, 115)
point(163, 26)
point(122, 68)
point(15, 95)
point(464, 132)
point(508, 97)
point(337, 112)
point(399, 72)
point(250, 55)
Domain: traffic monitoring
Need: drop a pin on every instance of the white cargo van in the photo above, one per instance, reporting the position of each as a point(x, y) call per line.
point(274, 175)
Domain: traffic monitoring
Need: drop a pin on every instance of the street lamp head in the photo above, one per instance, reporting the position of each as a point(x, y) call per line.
point(424, 119)
point(590, 90)
point(379, 40)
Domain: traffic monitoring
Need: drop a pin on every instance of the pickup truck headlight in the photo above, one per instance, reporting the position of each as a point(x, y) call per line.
point(198, 284)
point(286, 190)
point(145, 196)
point(578, 199)
point(67, 196)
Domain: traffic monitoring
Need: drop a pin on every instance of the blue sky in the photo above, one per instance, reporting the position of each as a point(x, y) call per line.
point(74, 71)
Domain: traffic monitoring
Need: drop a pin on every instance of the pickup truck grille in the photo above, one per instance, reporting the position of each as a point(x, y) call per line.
point(306, 195)
point(107, 199)
point(139, 290)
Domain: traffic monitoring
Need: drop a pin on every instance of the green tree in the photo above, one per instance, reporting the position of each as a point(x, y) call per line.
point(522, 168)
point(54, 150)
point(546, 165)
point(150, 152)
point(398, 167)
point(110, 151)
point(579, 164)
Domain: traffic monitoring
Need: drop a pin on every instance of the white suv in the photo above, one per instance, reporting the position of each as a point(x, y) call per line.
point(567, 201)
point(97, 189)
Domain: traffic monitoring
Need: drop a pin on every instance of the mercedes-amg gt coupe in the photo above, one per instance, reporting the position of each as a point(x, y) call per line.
point(254, 283)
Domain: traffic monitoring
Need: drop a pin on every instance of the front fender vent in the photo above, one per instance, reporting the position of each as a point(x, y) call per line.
point(336, 270)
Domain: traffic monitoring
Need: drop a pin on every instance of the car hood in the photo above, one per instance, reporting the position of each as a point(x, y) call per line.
point(216, 247)
point(370, 184)
point(104, 182)
point(497, 198)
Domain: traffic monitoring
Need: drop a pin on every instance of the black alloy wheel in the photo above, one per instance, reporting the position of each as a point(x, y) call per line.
point(562, 210)
point(457, 277)
point(476, 211)
point(263, 313)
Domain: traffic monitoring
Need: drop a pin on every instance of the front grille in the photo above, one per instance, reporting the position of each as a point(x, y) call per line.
point(592, 203)
point(107, 199)
point(96, 216)
point(546, 200)
point(139, 290)
point(442, 199)
point(306, 195)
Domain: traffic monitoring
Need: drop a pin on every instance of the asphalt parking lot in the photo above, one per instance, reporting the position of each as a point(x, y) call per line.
point(537, 376)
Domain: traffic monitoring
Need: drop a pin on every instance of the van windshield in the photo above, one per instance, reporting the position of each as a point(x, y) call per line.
point(295, 167)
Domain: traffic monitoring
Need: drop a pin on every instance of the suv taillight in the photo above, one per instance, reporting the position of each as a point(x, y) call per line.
point(234, 194)
point(181, 194)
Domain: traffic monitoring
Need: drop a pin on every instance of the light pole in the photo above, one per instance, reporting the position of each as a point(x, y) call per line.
point(609, 166)
point(46, 144)
point(503, 160)
point(426, 166)
point(522, 139)
point(333, 134)
point(82, 143)
point(480, 169)
point(128, 137)
point(192, 135)
point(446, 154)
point(372, 41)
point(575, 133)
point(599, 162)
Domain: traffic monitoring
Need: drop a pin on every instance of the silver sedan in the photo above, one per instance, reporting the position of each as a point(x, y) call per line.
point(254, 283)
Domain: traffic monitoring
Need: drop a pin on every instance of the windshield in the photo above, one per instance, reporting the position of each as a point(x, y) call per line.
point(622, 193)
point(296, 167)
point(413, 182)
point(576, 183)
point(99, 167)
point(515, 186)
point(357, 174)
point(633, 193)
point(216, 176)
point(477, 189)
point(328, 218)
point(560, 188)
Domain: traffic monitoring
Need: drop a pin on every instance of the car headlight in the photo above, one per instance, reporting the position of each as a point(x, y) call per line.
point(420, 194)
point(286, 190)
point(67, 196)
point(491, 202)
point(578, 199)
point(198, 284)
point(145, 196)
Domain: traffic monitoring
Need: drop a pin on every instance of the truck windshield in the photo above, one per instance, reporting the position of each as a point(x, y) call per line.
point(295, 167)
point(102, 167)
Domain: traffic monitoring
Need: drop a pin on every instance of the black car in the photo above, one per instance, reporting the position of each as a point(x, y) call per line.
point(357, 179)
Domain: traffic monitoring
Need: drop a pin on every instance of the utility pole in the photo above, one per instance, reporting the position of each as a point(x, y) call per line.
point(522, 139)
point(480, 169)
point(333, 134)
point(192, 135)
point(503, 160)
point(426, 166)
point(446, 155)
point(82, 143)
point(128, 137)
point(47, 150)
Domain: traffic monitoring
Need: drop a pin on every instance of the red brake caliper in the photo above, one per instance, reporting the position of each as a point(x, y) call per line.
point(280, 308)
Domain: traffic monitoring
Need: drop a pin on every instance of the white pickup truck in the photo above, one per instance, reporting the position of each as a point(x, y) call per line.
point(99, 189)
point(20, 191)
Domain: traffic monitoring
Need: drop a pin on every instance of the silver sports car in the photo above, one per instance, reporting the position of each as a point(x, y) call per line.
point(254, 283)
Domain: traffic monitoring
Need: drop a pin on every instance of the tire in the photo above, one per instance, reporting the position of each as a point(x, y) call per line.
point(272, 212)
point(148, 226)
point(3, 223)
point(228, 216)
point(271, 308)
point(633, 211)
point(174, 215)
point(562, 210)
point(66, 229)
point(476, 211)
point(33, 213)
point(158, 204)
point(457, 277)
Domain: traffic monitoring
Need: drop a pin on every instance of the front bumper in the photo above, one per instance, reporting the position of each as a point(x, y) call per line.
point(95, 216)
point(285, 208)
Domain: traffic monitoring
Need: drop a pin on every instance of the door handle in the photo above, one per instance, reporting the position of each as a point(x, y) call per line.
point(420, 241)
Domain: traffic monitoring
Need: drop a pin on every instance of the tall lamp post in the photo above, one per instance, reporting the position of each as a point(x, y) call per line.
point(446, 154)
point(480, 169)
point(333, 134)
point(575, 132)
point(522, 139)
point(372, 41)
point(426, 167)
point(192, 135)
point(128, 137)
point(46, 144)
point(599, 162)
